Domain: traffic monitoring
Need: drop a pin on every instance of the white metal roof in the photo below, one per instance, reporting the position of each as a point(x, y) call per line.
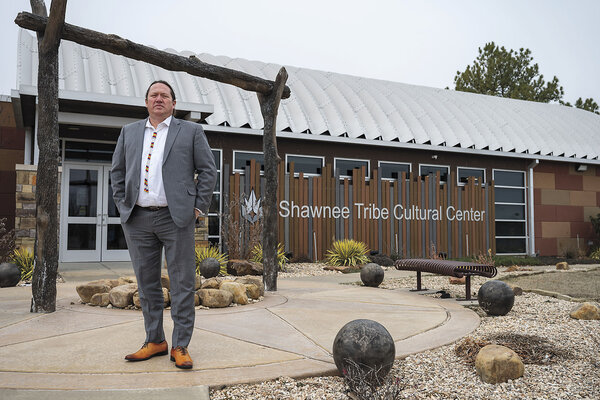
point(340, 106)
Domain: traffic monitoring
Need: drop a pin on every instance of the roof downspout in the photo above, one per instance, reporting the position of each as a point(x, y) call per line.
point(531, 219)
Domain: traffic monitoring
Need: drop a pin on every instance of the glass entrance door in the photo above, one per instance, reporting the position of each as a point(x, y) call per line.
point(90, 225)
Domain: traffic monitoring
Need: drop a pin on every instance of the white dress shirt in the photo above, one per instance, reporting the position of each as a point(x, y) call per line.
point(156, 190)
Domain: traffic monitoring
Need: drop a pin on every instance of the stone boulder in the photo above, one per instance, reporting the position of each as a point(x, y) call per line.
point(124, 280)
point(252, 280)
point(371, 275)
point(238, 290)
point(165, 282)
point(563, 266)
point(166, 298)
point(198, 283)
point(457, 281)
point(244, 267)
point(212, 283)
point(87, 290)
point(100, 299)
point(122, 296)
point(252, 291)
point(10, 274)
point(196, 300)
point(215, 298)
point(496, 297)
point(367, 345)
point(587, 310)
point(497, 364)
point(517, 290)
point(209, 267)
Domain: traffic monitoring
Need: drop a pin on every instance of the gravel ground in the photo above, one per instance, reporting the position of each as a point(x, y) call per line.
point(569, 370)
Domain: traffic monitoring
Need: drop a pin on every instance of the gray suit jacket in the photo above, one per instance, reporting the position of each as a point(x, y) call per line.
point(186, 152)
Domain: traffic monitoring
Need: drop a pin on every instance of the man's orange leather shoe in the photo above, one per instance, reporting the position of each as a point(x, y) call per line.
point(181, 357)
point(149, 350)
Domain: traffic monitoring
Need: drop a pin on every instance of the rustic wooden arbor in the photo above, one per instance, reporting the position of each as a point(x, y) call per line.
point(50, 31)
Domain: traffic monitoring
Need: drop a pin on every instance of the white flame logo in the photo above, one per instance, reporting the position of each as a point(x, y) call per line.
point(252, 210)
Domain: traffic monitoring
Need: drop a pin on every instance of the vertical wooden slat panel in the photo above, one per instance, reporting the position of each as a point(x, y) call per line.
point(426, 206)
point(438, 224)
point(454, 223)
point(347, 232)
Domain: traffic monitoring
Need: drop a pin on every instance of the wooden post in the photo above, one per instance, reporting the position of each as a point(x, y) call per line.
point(269, 105)
point(43, 282)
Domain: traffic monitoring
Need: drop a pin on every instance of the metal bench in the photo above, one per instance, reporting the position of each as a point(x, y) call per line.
point(457, 269)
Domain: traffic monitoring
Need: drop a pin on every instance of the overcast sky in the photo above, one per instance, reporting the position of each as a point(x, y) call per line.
point(420, 42)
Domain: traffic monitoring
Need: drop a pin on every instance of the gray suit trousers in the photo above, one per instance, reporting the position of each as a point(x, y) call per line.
point(147, 232)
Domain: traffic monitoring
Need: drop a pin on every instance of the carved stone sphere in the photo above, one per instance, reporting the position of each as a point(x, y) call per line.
point(10, 274)
point(371, 275)
point(209, 267)
point(364, 347)
point(496, 297)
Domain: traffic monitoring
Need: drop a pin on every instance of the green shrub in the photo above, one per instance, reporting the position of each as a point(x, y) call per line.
point(24, 260)
point(257, 255)
point(347, 252)
point(595, 254)
point(211, 252)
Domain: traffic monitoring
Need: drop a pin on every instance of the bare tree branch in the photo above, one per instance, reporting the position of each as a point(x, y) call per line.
point(117, 45)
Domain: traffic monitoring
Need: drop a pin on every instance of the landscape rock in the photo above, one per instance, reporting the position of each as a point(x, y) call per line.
point(513, 268)
point(10, 274)
point(100, 299)
point(243, 267)
point(563, 266)
point(371, 275)
point(87, 290)
point(517, 290)
point(238, 290)
point(587, 310)
point(212, 283)
point(457, 281)
point(198, 283)
point(122, 296)
point(215, 298)
point(496, 297)
point(124, 280)
point(209, 267)
point(343, 268)
point(252, 291)
point(165, 281)
point(253, 280)
point(166, 298)
point(497, 364)
point(196, 300)
point(367, 345)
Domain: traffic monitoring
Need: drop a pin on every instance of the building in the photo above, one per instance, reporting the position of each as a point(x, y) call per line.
point(403, 168)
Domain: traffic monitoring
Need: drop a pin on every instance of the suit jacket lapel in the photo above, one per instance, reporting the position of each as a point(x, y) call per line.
point(174, 127)
point(139, 146)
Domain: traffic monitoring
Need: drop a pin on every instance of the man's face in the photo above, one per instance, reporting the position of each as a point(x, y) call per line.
point(160, 103)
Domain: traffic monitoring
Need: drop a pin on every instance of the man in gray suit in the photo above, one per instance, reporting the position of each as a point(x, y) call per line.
point(153, 187)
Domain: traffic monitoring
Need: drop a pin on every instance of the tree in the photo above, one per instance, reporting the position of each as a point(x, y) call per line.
point(587, 105)
point(499, 72)
point(43, 281)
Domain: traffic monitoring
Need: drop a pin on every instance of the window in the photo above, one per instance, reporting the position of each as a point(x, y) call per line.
point(309, 165)
point(511, 212)
point(391, 170)
point(344, 166)
point(425, 170)
point(88, 151)
point(465, 173)
point(241, 159)
point(214, 210)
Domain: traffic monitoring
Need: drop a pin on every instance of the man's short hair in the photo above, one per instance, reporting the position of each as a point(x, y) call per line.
point(164, 83)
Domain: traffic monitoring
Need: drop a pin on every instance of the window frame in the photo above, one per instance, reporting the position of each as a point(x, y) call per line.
point(287, 170)
point(395, 162)
point(459, 183)
point(437, 166)
point(524, 204)
point(243, 171)
point(368, 171)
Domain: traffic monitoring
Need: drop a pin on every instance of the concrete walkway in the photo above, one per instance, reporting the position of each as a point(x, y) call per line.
point(290, 333)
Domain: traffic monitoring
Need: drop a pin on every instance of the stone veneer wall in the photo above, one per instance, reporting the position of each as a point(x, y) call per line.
point(564, 200)
point(25, 209)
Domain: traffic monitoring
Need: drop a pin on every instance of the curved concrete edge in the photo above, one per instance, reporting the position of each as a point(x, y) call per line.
point(460, 322)
point(194, 392)
point(214, 378)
